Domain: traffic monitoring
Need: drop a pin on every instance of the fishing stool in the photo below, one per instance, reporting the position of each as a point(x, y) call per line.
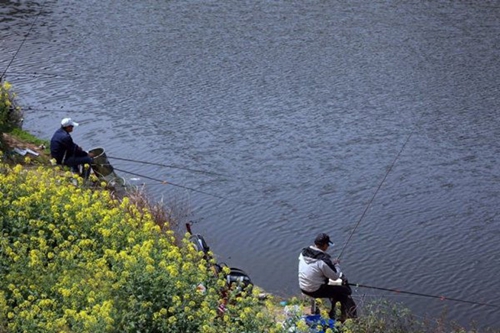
point(314, 306)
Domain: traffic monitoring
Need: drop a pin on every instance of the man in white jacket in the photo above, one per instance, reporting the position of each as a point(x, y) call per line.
point(317, 276)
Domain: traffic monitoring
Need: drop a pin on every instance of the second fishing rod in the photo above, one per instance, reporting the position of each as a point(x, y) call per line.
point(165, 182)
point(440, 297)
point(172, 166)
point(379, 187)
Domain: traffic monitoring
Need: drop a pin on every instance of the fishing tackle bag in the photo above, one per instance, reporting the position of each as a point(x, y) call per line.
point(236, 277)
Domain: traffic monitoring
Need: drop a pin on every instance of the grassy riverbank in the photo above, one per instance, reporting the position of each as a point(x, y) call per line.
point(75, 258)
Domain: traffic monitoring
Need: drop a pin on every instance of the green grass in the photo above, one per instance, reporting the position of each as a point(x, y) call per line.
point(28, 137)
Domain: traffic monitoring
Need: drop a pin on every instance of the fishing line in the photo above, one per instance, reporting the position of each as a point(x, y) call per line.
point(31, 108)
point(177, 185)
point(48, 75)
point(24, 40)
point(378, 188)
point(166, 166)
point(442, 298)
point(184, 168)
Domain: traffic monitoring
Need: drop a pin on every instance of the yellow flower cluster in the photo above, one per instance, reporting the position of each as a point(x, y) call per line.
point(8, 112)
point(77, 260)
point(4, 94)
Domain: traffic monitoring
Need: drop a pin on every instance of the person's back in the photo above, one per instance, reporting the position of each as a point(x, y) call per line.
point(315, 268)
point(60, 145)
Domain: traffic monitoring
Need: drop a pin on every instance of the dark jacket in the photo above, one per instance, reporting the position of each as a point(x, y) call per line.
point(62, 146)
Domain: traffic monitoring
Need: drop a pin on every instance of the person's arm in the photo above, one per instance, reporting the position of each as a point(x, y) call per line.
point(336, 264)
point(67, 142)
point(72, 148)
point(330, 273)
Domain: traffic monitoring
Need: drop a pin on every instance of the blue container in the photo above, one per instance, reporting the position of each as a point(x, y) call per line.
point(318, 323)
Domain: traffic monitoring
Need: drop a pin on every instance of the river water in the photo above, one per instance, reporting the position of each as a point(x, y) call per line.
point(376, 122)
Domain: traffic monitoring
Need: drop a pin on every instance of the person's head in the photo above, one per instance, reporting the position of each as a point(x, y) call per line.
point(68, 124)
point(322, 241)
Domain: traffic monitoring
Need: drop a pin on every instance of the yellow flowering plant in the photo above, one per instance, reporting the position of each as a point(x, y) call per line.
point(74, 259)
point(10, 113)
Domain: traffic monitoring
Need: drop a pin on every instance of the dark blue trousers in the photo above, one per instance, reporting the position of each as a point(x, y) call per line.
point(76, 162)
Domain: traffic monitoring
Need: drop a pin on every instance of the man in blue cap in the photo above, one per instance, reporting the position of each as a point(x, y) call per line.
point(320, 277)
point(66, 152)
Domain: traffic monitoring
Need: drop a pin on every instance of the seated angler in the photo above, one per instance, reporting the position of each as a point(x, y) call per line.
point(66, 152)
point(318, 276)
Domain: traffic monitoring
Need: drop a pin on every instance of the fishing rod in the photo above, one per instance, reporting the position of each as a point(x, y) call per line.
point(24, 40)
point(166, 166)
point(442, 298)
point(177, 185)
point(184, 168)
point(378, 188)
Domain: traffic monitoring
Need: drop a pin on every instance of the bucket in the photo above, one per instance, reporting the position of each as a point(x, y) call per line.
point(101, 166)
point(104, 171)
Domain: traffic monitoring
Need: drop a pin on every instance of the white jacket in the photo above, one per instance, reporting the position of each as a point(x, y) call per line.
point(314, 270)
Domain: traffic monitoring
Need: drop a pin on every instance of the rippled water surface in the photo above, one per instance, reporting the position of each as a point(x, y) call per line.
point(302, 108)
